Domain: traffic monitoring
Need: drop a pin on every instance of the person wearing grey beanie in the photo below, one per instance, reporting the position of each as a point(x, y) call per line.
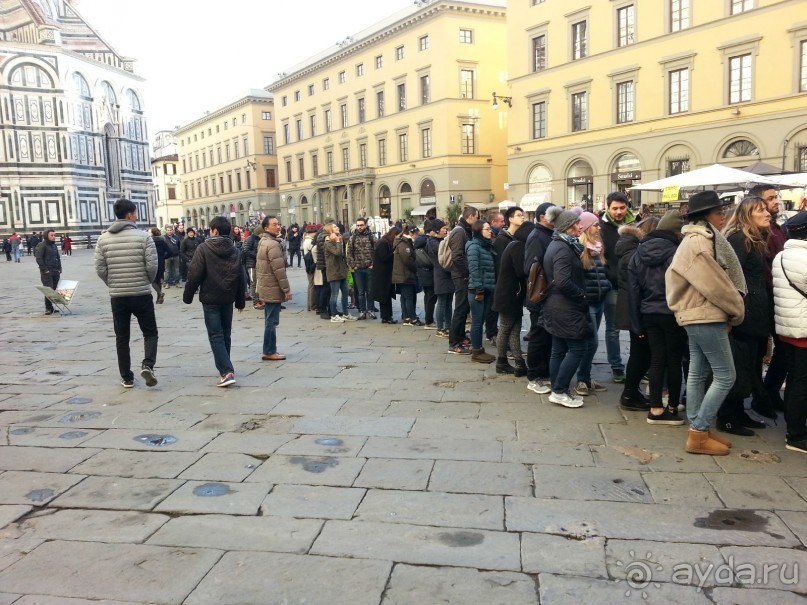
point(565, 221)
point(552, 214)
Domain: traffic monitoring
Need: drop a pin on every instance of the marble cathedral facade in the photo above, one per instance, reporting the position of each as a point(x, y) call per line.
point(73, 135)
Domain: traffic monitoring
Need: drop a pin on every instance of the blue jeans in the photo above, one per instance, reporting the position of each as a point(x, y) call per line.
point(172, 270)
point(219, 324)
point(595, 314)
point(612, 333)
point(708, 347)
point(271, 319)
point(566, 356)
point(442, 313)
point(460, 312)
point(479, 311)
point(361, 281)
point(338, 285)
point(408, 298)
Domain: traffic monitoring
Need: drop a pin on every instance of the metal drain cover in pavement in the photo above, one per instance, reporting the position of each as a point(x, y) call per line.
point(156, 440)
point(211, 490)
point(329, 441)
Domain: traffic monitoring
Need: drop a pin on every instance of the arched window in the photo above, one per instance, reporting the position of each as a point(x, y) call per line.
point(406, 188)
point(626, 163)
point(539, 179)
point(108, 93)
point(133, 100)
point(740, 148)
point(30, 76)
point(80, 85)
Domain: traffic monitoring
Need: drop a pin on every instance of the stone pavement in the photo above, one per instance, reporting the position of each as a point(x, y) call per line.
point(368, 468)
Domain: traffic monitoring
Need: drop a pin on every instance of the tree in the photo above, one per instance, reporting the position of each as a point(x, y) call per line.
point(453, 214)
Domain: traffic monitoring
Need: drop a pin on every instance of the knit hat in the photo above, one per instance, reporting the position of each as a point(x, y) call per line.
point(797, 226)
point(577, 210)
point(542, 208)
point(552, 214)
point(435, 225)
point(587, 219)
point(671, 221)
point(565, 221)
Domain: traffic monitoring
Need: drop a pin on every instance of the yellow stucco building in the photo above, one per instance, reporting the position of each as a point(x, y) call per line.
point(228, 163)
point(609, 94)
point(396, 117)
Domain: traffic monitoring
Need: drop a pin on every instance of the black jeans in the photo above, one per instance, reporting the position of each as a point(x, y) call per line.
point(667, 341)
point(386, 309)
point(142, 307)
point(461, 310)
point(429, 301)
point(324, 298)
point(539, 349)
point(51, 280)
point(638, 362)
point(292, 254)
point(492, 324)
point(777, 369)
point(795, 391)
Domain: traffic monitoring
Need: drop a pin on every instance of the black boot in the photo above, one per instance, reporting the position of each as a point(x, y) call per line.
point(732, 426)
point(634, 401)
point(521, 368)
point(503, 367)
point(763, 407)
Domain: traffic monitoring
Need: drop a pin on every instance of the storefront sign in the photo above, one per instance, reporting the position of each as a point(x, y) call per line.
point(670, 193)
point(627, 175)
point(580, 180)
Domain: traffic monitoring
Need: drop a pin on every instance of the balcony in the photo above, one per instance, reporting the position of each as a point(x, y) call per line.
point(345, 177)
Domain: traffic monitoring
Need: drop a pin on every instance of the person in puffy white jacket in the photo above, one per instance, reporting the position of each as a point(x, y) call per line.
point(790, 314)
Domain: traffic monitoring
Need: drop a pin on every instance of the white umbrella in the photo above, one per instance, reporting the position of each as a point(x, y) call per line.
point(716, 174)
point(791, 180)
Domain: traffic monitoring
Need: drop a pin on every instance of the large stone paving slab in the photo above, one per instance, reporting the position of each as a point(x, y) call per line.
point(395, 474)
point(308, 470)
point(24, 487)
point(312, 501)
point(221, 467)
point(433, 449)
point(671, 562)
point(313, 406)
point(152, 464)
point(544, 553)
point(420, 545)
point(560, 590)
point(323, 445)
point(225, 532)
point(502, 478)
point(768, 568)
point(66, 437)
point(559, 454)
point(253, 577)
point(186, 441)
point(147, 574)
point(682, 489)
point(213, 497)
point(14, 546)
point(251, 443)
point(590, 484)
point(117, 493)
point(93, 525)
point(47, 600)
point(756, 491)
point(455, 586)
point(12, 512)
point(354, 425)
point(453, 428)
point(633, 521)
point(745, 596)
point(41, 459)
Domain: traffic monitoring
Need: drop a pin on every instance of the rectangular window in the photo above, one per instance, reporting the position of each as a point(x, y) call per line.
point(288, 171)
point(379, 99)
point(268, 144)
point(740, 6)
point(329, 161)
point(221, 183)
point(185, 167)
point(207, 187)
point(312, 124)
point(803, 67)
point(343, 114)
point(466, 83)
point(679, 15)
point(211, 157)
point(301, 168)
point(286, 135)
point(426, 143)
point(466, 36)
point(627, 25)
point(624, 102)
point(536, 2)
point(296, 95)
point(401, 97)
point(539, 120)
point(342, 77)
point(382, 152)
point(310, 90)
point(284, 100)
point(360, 69)
point(230, 183)
point(539, 53)
point(266, 115)
point(403, 147)
point(679, 166)
point(326, 83)
point(801, 159)
point(361, 108)
point(345, 159)
point(740, 78)
point(579, 40)
point(213, 183)
point(270, 178)
point(467, 142)
point(379, 61)
point(579, 111)
point(425, 90)
point(238, 180)
point(172, 192)
point(218, 154)
point(226, 153)
point(399, 53)
point(679, 90)
point(328, 121)
point(249, 180)
point(363, 155)
point(423, 43)
point(236, 149)
point(299, 124)
point(314, 166)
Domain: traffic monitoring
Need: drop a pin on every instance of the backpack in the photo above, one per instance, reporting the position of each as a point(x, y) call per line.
point(444, 255)
point(422, 259)
point(310, 263)
point(537, 286)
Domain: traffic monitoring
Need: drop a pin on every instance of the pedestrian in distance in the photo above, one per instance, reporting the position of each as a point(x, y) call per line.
point(126, 261)
point(172, 261)
point(273, 284)
point(215, 271)
point(50, 265)
point(480, 257)
point(162, 250)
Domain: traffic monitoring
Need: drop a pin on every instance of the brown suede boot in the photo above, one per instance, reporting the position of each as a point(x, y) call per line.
point(480, 356)
point(698, 442)
point(719, 439)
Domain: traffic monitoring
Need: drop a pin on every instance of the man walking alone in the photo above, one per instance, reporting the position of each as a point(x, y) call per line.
point(273, 285)
point(215, 270)
point(126, 260)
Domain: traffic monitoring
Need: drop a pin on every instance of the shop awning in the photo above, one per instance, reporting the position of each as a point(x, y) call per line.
point(531, 201)
point(421, 210)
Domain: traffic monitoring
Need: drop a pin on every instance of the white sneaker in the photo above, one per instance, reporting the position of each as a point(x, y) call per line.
point(337, 319)
point(348, 317)
point(565, 400)
point(581, 389)
point(539, 386)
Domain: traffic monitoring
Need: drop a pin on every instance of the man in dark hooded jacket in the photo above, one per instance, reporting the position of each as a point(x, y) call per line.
point(215, 271)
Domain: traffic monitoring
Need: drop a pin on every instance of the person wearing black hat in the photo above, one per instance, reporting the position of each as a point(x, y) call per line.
point(705, 288)
point(790, 315)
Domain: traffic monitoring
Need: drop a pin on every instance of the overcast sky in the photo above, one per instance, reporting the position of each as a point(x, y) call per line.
point(197, 56)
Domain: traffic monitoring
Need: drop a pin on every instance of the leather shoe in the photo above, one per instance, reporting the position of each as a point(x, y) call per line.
point(734, 428)
point(389, 321)
point(743, 419)
point(273, 357)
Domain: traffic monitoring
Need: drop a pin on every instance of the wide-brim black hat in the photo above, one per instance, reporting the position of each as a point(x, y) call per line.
point(703, 201)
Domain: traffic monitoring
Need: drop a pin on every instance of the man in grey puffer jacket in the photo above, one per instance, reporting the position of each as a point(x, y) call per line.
point(126, 259)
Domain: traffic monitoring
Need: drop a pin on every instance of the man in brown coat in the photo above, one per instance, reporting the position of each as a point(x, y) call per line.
point(273, 285)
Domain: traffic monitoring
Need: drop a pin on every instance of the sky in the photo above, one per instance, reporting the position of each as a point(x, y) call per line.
point(198, 56)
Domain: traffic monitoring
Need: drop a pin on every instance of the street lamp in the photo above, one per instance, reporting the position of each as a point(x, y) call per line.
point(251, 165)
point(506, 100)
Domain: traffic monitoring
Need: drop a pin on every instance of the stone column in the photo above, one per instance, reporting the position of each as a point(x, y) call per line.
point(369, 199)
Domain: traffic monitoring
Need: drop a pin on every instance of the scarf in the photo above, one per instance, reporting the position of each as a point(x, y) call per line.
point(629, 219)
point(594, 248)
point(727, 258)
point(572, 240)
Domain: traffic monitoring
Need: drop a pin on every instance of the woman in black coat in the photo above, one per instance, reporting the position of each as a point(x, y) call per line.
point(383, 291)
point(162, 251)
point(443, 284)
point(508, 302)
point(747, 231)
